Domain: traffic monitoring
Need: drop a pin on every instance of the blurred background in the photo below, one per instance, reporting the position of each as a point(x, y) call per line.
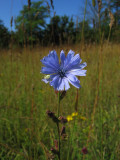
point(53, 22)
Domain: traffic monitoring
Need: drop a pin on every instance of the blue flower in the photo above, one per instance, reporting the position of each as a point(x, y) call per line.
point(59, 75)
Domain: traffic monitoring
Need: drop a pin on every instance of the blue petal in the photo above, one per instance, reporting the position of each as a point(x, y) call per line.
point(67, 86)
point(59, 83)
point(69, 57)
point(70, 54)
point(71, 77)
point(73, 80)
point(78, 72)
point(60, 86)
point(46, 70)
point(75, 61)
point(48, 63)
point(62, 57)
point(75, 84)
point(54, 82)
point(63, 84)
point(80, 66)
point(51, 60)
point(54, 54)
point(45, 80)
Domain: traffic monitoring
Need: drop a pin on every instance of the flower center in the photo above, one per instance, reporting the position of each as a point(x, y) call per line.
point(61, 72)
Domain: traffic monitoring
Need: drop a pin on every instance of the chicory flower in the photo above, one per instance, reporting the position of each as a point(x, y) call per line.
point(59, 75)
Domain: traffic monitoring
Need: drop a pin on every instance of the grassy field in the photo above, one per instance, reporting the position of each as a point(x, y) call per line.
point(27, 133)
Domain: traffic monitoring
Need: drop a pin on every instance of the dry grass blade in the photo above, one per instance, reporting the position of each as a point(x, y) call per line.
point(99, 5)
point(112, 19)
point(11, 22)
point(29, 4)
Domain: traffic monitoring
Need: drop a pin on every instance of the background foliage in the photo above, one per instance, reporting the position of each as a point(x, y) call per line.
point(37, 25)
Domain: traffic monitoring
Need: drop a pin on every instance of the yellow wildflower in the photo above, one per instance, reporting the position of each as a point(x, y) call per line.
point(69, 118)
point(74, 114)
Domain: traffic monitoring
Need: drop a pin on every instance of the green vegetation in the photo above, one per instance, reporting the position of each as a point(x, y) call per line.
point(25, 130)
point(93, 132)
point(4, 36)
point(30, 22)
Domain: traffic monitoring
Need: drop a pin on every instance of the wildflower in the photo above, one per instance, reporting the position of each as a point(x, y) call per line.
point(84, 150)
point(69, 118)
point(62, 119)
point(65, 72)
point(50, 114)
point(74, 114)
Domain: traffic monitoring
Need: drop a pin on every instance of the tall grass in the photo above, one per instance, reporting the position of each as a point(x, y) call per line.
point(25, 130)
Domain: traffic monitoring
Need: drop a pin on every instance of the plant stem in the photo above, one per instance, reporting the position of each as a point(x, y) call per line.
point(58, 111)
point(83, 25)
point(58, 124)
point(109, 35)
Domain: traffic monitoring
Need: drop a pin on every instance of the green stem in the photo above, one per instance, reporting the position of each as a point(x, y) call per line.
point(58, 104)
point(82, 38)
point(58, 124)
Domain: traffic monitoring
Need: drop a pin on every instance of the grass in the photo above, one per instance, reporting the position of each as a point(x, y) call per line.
point(26, 133)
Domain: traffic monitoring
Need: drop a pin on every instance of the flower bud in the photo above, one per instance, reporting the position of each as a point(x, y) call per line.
point(84, 150)
point(62, 95)
point(52, 115)
point(63, 119)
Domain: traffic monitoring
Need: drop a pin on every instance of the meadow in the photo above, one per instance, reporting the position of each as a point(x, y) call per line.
point(27, 133)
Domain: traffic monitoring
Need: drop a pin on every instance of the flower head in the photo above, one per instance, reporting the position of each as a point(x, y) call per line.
point(84, 150)
point(69, 118)
point(65, 72)
point(74, 114)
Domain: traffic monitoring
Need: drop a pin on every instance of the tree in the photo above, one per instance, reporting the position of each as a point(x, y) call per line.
point(101, 15)
point(71, 31)
point(4, 36)
point(30, 21)
point(60, 30)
